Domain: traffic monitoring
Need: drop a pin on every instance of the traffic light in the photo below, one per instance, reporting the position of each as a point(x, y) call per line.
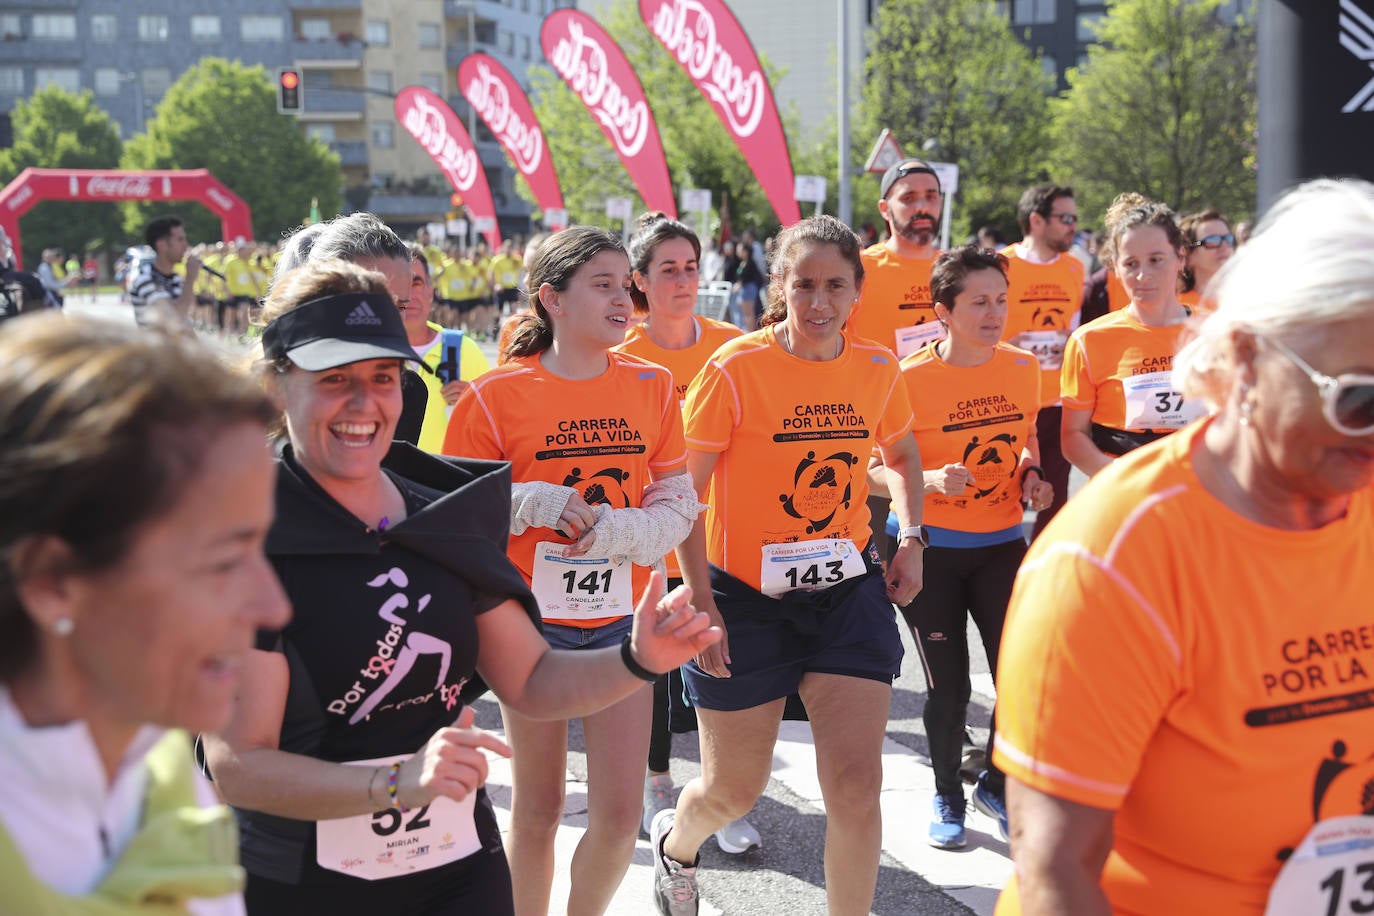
point(289, 90)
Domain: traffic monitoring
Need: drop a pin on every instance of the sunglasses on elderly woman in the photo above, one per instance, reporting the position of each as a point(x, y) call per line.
point(1212, 242)
point(1347, 400)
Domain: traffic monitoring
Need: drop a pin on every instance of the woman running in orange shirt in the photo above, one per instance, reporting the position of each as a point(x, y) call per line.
point(596, 448)
point(781, 423)
point(664, 256)
point(1117, 382)
point(975, 401)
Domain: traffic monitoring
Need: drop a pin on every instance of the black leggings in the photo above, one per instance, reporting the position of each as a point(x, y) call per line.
point(1052, 459)
point(959, 581)
point(478, 884)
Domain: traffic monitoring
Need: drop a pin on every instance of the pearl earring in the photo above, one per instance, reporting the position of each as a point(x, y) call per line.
point(63, 626)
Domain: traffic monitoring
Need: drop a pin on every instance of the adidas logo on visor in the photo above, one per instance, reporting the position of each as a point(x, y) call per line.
point(363, 314)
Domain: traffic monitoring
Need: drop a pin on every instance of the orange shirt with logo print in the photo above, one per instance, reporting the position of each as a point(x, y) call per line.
point(1044, 303)
point(1207, 678)
point(794, 437)
point(980, 417)
point(684, 364)
point(894, 307)
point(1120, 370)
point(607, 437)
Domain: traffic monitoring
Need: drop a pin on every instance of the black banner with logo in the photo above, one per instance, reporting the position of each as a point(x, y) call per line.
point(1316, 92)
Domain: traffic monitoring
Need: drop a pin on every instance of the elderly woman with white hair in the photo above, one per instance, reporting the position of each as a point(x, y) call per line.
point(1185, 707)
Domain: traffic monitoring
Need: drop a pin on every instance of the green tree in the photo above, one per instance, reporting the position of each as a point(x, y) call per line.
point(699, 151)
point(1166, 106)
point(222, 116)
point(54, 129)
point(953, 83)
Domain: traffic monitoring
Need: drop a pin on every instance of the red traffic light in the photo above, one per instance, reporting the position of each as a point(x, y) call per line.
point(289, 90)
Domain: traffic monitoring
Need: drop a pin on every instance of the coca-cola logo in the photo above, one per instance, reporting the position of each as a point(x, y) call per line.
point(490, 95)
point(220, 198)
point(428, 125)
point(688, 30)
point(121, 186)
point(20, 198)
point(581, 61)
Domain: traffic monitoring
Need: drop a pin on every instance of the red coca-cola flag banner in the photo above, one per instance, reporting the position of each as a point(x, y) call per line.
point(707, 40)
point(432, 123)
point(596, 70)
point(499, 101)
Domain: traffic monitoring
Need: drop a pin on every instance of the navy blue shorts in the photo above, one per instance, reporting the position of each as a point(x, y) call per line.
point(562, 636)
point(849, 630)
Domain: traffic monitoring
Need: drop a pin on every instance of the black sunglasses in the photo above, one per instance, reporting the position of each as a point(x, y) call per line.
point(1215, 241)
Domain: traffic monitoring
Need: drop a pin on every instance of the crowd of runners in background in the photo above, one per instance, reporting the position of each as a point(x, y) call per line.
point(739, 511)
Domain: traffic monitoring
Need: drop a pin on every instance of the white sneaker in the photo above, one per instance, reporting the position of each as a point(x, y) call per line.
point(658, 795)
point(738, 837)
point(675, 884)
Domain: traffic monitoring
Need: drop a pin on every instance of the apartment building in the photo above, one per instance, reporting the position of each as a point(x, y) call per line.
point(354, 56)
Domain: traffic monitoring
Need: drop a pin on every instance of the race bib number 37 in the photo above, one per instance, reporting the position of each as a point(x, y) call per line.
point(581, 588)
point(809, 565)
point(388, 843)
point(1152, 403)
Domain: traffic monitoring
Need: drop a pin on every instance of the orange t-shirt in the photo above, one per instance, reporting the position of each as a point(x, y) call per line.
point(1116, 293)
point(1044, 303)
point(794, 437)
point(684, 364)
point(894, 307)
point(605, 436)
point(1205, 677)
point(1121, 370)
point(980, 417)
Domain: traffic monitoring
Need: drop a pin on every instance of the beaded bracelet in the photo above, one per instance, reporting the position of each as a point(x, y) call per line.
point(393, 777)
point(628, 657)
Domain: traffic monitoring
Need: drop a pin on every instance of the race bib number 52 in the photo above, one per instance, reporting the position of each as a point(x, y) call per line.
point(388, 843)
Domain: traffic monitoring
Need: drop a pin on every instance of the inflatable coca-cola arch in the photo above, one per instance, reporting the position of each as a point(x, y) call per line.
point(36, 185)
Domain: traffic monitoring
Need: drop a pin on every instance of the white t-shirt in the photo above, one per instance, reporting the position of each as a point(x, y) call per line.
point(70, 822)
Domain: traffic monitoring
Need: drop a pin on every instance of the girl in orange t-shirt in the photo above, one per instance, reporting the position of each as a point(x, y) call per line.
point(664, 256)
point(595, 443)
point(1116, 383)
point(781, 424)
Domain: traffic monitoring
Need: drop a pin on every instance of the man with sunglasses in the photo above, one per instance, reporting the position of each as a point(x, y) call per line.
point(1044, 303)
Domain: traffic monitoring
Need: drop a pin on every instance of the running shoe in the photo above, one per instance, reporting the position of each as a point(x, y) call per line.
point(675, 884)
point(738, 837)
point(994, 806)
point(947, 827)
point(658, 794)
